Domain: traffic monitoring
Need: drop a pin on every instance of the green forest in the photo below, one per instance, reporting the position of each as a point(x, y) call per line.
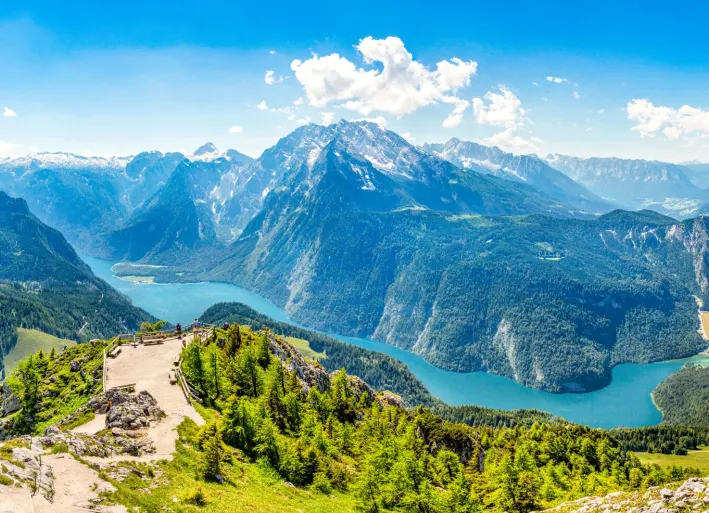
point(44, 285)
point(379, 370)
point(683, 397)
point(346, 438)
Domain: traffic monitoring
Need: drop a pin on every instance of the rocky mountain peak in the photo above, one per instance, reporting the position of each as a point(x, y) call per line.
point(205, 148)
point(9, 205)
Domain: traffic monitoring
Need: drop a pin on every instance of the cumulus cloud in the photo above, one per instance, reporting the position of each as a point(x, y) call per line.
point(575, 95)
point(408, 136)
point(327, 118)
point(456, 116)
point(394, 82)
point(9, 113)
point(272, 52)
point(670, 122)
point(236, 129)
point(509, 140)
point(303, 121)
point(499, 109)
point(288, 111)
point(298, 101)
point(379, 120)
point(504, 109)
point(262, 106)
point(270, 78)
point(558, 80)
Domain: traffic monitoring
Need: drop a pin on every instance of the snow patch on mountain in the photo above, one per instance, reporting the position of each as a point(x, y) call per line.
point(62, 160)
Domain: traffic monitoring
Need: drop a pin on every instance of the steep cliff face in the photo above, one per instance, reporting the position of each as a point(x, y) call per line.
point(551, 303)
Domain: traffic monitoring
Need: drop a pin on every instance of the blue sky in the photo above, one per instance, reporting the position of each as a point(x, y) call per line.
point(170, 76)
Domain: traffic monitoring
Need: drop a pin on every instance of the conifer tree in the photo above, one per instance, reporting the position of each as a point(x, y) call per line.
point(263, 351)
point(213, 451)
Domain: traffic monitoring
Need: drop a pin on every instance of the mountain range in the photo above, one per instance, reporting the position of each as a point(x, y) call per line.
point(472, 257)
point(528, 169)
point(668, 188)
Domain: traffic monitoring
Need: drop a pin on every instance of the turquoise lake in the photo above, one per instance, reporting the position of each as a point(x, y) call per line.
point(625, 402)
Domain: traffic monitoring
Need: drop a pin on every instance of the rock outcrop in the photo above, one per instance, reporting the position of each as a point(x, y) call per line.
point(692, 495)
point(10, 402)
point(311, 374)
point(130, 411)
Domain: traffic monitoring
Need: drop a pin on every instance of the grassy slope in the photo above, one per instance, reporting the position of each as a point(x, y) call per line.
point(694, 459)
point(248, 487)
point(303, 347)
point(31, 341)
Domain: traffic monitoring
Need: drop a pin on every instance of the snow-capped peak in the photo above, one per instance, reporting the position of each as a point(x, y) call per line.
point(62, 160)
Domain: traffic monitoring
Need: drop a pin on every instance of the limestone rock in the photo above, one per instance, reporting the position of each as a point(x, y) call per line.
point(10, 402)
point(132, 411)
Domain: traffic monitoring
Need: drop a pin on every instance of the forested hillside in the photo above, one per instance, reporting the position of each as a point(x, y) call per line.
point(44, 284)
point(551, 303)
point(382, 372)
point(334, 433)
point(683, 398)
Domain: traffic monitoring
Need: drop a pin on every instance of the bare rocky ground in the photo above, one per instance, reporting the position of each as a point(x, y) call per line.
point(690, 496)
point(138, 427)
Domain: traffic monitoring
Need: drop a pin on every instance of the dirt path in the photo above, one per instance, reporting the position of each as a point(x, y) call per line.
point(75, 485)
point(148, 367)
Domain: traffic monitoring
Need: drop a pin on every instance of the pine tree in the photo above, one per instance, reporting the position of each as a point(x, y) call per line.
point(195, 369)
point(341, 397)
point(24, 383)
point(460, 498)
point(213, 451)
point(275, 393)
point(263, 352)
point(239, 429)
point(215, 371)
point(233, 341)
point(267, 441)
point(248, 373)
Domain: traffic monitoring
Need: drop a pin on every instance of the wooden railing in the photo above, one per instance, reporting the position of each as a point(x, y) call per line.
point(172, 332)
point(110, 347)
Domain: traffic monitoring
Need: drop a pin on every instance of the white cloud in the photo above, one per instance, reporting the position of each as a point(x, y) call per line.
point(496, 109)
point(672, 123)
point(601, 111)
point(9, 113)
point(298, 101)
point(456, 116)
point(236, 129)
point(408, 136)
point(270, 78)
point(575, 95)
point(379, 120)
point(558, 80)
point(10, 149)
point(272, 52)
point(327, 118)
point(288, 111)
point(505, 110)
point(402, 86)
point(303, 121)
point(262, 106)
point(535, 84)
point(509, 140)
